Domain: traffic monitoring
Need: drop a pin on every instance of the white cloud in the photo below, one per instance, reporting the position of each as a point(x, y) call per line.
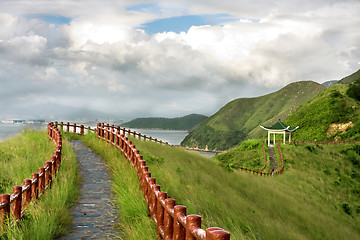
point(100, 58)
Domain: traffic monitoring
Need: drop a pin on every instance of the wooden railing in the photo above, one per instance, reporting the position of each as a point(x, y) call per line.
point(80, 129)
point(261, 171)
point(171, 220)
point(12, 207)
point(348, 141)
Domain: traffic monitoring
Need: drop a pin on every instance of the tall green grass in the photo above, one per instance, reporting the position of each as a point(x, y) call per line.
point(132, 207)
point(305, 202)
point(49, 216)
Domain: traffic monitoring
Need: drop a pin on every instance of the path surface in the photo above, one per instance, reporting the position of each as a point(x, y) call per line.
point(272, 157)
point(94, 215)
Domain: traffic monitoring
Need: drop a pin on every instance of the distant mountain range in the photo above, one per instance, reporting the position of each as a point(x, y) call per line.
point(187, 122)
point(51, 112)
point(330, 83)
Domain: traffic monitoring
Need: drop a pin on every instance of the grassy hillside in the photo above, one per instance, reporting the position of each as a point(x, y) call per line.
point(50, 215)
point(240, 119)
point(351, 78)
point(331, 114)
point(182, 123)
point(317, 196)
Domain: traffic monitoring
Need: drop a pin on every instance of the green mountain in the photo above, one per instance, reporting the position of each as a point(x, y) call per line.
point(332, 114)
point(181, 123)
point(351, 78)
point(240, 119)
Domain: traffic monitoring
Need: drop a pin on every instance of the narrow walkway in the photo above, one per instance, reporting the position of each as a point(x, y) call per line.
point(94, 215)
point(272, 157)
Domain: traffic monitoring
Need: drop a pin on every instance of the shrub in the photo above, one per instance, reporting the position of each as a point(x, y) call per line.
point(354, 90)
point(346, 208)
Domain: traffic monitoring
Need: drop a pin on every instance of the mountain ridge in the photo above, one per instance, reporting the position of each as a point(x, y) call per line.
point(239, 119)
point(187, 122)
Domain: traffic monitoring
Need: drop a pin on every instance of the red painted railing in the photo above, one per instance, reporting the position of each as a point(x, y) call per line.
point(80, 129)
point(171, 220)
point(261, 171)
point(12, 207)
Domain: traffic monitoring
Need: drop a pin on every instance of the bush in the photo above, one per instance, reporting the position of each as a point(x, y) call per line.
point(346, 208)
point(354, 90)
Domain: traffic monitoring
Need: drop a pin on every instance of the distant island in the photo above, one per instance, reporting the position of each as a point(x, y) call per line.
point(187, 122)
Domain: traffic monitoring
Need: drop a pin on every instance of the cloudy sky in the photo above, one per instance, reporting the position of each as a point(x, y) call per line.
point(168, 58)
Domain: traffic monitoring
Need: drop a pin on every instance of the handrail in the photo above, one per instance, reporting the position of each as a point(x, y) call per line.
point(171, 220)
point(348, 141)
point(32, 188)
point(68, 126)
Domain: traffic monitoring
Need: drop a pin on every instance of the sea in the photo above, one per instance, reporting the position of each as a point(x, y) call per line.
point(8, 131)
point(173, 137)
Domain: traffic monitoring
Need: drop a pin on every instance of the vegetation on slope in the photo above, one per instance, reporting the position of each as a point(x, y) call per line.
point(182, 123)
point(351, 78)
point(50, 215)
point(329, 115)
point(240, 119)
point(315, 198)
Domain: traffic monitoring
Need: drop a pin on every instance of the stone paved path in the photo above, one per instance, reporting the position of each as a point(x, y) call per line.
point(272, 157)
point(94, 215)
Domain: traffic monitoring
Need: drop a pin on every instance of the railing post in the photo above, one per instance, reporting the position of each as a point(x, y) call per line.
point(16, 205)
point(34, 186)
point(192, 222)
point(67, 127)
point(179, 230)
point(26, 194)
point(81, 129)
point(54, 165)
point(217, 234)
point(160, 214)
point(48, 173)
point(4, 212)
point(74, 127)
point(41, 180)
point(168, 219)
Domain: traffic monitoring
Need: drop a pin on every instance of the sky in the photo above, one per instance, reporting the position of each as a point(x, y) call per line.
point(133, 58)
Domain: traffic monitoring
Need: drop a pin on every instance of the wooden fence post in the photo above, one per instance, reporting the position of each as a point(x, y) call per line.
point(16, 205)
point(67, 127)
point(217, 234)
point(74, 127)
point(34, 186)
point(82, 129)
point(179, 230)
point(41, 181)
point(5, 211)
point(27, 193)
point(160, 214)
point(48, 173)
point(193, 222)
point(168, 219)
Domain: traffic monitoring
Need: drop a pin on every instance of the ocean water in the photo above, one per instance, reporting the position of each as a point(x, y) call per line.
point(173, 137)
point(8, 131)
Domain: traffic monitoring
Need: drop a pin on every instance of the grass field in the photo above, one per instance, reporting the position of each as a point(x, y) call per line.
point(317, 197)
point(49, 216)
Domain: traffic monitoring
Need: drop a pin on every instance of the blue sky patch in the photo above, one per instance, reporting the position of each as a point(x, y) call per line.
point(57, 20)
point(183, 23)
point(146, 8)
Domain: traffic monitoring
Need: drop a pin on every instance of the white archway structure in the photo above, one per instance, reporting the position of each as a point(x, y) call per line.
point(279, 128)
